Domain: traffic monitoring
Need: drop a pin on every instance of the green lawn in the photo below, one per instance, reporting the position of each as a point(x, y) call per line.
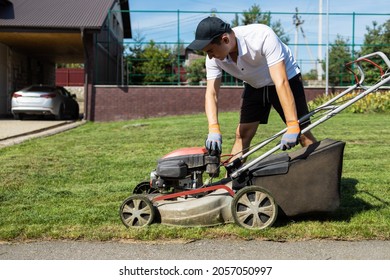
point(70, 185)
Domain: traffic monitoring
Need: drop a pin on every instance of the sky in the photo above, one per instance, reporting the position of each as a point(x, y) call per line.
point(157, 20)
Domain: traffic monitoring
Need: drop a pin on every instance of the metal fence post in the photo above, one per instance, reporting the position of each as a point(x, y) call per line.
point(178, 48)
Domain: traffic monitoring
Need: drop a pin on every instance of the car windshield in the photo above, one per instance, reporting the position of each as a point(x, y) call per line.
point(40, 89)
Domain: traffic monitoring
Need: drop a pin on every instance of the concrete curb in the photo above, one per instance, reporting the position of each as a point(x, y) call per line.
point(40, 133)
point(37, 130)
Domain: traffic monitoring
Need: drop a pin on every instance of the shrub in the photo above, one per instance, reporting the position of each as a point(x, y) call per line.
point(196, 71)
point(377, 102)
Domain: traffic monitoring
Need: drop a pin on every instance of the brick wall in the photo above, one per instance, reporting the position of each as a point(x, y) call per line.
point(115, 103)
point(123, 103)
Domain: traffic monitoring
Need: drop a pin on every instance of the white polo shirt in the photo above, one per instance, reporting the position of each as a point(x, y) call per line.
point(258, 49)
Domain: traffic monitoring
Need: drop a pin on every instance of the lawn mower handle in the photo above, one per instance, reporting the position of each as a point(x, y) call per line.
point(332, 111)
point(381, 54)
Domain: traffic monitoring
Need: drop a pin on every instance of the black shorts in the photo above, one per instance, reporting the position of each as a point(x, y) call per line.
point(256, 102)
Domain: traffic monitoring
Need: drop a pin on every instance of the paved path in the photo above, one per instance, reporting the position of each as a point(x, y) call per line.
point(220, 249)
point(14, 131)
point(12, 128)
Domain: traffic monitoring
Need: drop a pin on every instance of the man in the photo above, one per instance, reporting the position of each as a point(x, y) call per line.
point(254, 54)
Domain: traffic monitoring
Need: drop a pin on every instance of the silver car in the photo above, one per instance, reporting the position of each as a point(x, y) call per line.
point(44, 100)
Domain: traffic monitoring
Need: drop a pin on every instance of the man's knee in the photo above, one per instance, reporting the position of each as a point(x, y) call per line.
point(307, 139)
point(245, 132)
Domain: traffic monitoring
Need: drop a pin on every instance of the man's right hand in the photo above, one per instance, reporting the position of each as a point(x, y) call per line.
point(214, 139)
point(214, 142)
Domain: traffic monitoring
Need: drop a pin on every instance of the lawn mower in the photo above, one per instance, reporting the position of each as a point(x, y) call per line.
point(182, 191)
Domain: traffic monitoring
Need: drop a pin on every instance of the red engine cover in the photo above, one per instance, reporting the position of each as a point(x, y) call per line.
point(187, 151)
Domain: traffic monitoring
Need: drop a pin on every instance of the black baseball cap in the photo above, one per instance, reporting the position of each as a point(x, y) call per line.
point(207, 30)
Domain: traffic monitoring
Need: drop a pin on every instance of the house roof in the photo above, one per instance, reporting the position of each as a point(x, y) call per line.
point(52, 29)
point(59, 14)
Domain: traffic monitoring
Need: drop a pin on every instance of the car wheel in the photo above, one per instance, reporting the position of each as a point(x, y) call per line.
point(61, 112)
point(19, 116)
point(75, 114)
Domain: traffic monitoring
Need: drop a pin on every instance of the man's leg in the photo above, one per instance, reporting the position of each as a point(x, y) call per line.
point(244, 134)
point(296, 86)
point(307, 139)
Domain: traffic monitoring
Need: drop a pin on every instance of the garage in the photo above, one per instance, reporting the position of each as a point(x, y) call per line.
point(36, 35)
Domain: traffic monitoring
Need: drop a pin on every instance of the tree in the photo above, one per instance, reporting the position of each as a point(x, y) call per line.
point(311, 75)
point(134, 61)
point(278, 29)
point(236, 20)
point(196, 71)
point(157, 64)
point(339, 55)
point(255, 15)
point(376, 39)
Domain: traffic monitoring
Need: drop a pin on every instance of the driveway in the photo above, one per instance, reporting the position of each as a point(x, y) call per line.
point(200, 259)
point(14, 131)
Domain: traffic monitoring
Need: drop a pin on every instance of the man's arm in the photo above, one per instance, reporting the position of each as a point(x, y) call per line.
point(214, 138)
point(286, 98)
point(211, 100)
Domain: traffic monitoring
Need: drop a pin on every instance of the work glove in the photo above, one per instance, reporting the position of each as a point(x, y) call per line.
point(214, 140)
point(291, 137)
